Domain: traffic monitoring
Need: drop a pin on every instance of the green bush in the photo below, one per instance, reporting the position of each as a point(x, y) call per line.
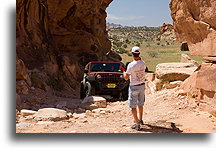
point(51, 82)
point(37, 81)
point(121, 51)
point(117, 43)
point(137, 44)
point(125, 46)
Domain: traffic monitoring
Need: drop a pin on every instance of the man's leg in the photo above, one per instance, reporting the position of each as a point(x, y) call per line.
point(134, 113)
point(140, 108)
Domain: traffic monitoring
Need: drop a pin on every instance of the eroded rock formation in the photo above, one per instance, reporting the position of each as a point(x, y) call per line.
point(194, 22)
point(54, 40)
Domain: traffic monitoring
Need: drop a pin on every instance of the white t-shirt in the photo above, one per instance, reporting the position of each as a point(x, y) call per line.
point(136, 69)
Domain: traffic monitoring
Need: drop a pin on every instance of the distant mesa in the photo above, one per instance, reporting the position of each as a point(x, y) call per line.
point(112, 25)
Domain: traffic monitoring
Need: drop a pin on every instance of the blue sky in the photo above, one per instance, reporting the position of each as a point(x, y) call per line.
point(152, 13)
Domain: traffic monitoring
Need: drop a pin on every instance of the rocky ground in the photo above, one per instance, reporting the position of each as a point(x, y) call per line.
point(165, 111)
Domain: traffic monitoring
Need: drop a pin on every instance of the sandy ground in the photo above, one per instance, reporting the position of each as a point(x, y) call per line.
point(164, 112)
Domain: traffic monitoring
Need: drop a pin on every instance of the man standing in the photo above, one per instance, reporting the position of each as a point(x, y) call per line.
point(136, 97)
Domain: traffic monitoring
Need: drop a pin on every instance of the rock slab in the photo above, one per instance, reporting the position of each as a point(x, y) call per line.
point(174, 71)
point(50, 114)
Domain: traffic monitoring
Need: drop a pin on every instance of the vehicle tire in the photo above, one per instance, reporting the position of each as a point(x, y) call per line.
point(82, 91)
point(90, 89)
point(116, 96)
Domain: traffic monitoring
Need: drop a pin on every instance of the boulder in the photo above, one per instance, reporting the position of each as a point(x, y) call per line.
point(186, 59)
point(26, 112)
point(150, 76)
point(172, 84)
point(100, 102)
point(174, 71)
point(89, 106)
point(50, 114)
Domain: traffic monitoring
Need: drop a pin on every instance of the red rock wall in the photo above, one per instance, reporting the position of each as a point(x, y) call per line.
point(194, 22)
point(54, 40)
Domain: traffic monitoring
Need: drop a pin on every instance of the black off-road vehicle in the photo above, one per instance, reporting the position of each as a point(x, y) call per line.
point(104, 78)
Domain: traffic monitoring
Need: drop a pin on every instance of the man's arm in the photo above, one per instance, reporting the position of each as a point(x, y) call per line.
point(126, 76)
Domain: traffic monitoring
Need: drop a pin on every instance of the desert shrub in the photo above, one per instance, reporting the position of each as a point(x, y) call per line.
point(37, 81)
point(148, 45)
point(125, 46)
point(51, 81)
point(121, 51)
point(117, 43)
point(167, 43)
point(158, 39)
point(158, 43)
point(152, 54)
point(137, 44)
point(127, 41)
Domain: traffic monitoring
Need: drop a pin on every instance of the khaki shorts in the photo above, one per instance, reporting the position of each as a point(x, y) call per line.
point(136, 96)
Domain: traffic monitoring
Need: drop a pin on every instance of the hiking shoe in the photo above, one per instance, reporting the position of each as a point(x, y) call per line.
point(141, 122)
point(136, 127)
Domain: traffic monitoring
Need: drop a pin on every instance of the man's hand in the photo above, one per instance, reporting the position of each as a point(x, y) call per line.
point(126, 76)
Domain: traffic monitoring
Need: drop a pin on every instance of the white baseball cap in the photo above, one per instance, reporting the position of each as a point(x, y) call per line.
point(135, 49)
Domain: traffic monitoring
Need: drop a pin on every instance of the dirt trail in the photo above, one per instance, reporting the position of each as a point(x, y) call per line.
point(164, 112)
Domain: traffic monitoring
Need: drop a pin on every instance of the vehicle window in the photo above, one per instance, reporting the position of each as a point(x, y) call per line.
point(105, 67)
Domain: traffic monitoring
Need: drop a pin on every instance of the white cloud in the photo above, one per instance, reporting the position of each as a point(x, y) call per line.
point(127, 18)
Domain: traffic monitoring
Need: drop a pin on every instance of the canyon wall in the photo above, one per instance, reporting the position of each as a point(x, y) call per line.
point(55, 39)
point(194, 22)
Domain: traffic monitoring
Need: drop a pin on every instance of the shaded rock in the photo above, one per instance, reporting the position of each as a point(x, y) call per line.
point(21, 71)
point(174, 71)
point(81, 110)
point(51, 114)
point(99, 101)
point(18, 102)
point(184, 47)
point(89, 106)
point(34, 100)
point(61, 104)
point(22, 87)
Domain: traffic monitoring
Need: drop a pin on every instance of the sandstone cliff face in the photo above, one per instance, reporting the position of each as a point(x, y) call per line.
point(194, 22)
point(55, 39)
